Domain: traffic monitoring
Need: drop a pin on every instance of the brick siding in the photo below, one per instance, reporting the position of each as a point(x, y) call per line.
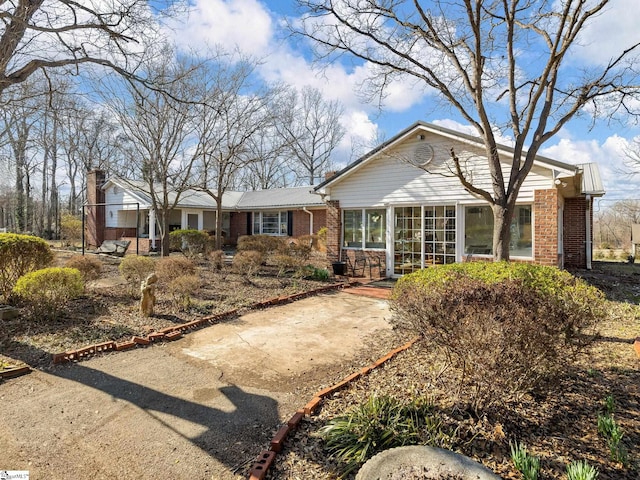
point(574, 226)
point(334, 229)
point(95, 216)
point(545, 208)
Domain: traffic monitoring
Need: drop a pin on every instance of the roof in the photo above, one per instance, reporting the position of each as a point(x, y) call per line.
point(591, 181)
point(294, 197)
point(424, 126)
point(280, 197)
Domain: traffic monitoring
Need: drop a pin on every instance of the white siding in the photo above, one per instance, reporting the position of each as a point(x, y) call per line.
point(389, 179)
point(114, 211)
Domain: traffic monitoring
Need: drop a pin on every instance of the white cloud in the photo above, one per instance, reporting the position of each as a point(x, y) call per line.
point(242, 24)
point(608, 34)
point(610, 157)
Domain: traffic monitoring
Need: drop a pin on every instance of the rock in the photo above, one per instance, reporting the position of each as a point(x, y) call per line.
point(423, 463)
point(7, 312)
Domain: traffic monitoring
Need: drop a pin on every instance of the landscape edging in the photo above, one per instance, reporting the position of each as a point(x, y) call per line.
point(266, 458)
point(176, 331)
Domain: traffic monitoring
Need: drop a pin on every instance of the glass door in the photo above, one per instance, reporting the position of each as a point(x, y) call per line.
point(407, 240)
point(439, 235)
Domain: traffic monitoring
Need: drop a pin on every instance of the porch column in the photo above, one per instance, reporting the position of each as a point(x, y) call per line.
point(152, 228)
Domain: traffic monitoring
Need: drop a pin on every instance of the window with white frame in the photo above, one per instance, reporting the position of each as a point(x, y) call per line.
point(270, 223)
point(478, 231)
point(364, 228)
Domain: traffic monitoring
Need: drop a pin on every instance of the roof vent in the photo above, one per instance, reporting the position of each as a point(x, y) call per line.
point(422, 155)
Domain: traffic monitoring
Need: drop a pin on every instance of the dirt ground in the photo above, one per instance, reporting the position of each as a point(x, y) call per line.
point(199, 408)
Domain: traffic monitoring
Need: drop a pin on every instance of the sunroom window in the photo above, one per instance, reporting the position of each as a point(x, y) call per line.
point(364, 228)
point(478, 231)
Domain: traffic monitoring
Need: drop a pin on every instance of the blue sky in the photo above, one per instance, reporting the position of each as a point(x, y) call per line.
point(257, 28)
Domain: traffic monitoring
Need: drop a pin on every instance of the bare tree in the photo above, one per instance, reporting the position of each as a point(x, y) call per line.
point(232, 116)
point(311, 129)
point(159, 131)
point(55, 34)
point(473, 55)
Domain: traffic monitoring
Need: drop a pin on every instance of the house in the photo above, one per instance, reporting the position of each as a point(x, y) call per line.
point(402, 204)
point(122, 209)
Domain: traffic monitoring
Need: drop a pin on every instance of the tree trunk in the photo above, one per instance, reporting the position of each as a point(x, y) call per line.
point(164, 234)
point(502, 217)
point(219, 223)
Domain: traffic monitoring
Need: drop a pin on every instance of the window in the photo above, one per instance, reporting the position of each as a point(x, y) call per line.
point(364, 228)
point(479, 231)
point(270, 223)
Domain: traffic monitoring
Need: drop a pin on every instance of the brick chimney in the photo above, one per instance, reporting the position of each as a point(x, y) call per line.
point(329, 174)
point(94, 211)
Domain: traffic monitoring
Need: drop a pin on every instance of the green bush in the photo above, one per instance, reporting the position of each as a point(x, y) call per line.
point(89, 267)
point(505, 328)
point(248, 262)
point(527, 465)
point(265, 244)
point(190, 242)
point(47, 291)
point(382, 422)
point(70, 229)
point(19, 255)
point(135, 269)
point(170, 268)
point(581, 470)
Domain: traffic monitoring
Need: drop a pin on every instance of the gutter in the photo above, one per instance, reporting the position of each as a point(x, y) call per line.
point(588, 243)
point(304, 209)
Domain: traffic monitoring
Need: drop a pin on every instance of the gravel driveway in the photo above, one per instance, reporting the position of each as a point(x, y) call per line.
point(199, 408)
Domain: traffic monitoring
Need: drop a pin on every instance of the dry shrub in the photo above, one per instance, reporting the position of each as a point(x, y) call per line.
point(265, 244)
point(286, 263)
point(90, 268)
point(170, 268)
point(47, 291)
point(503, 335)
point(181, 289)
point(301, 250)
point(135, 269)
point(248, 262)
point(217, 259)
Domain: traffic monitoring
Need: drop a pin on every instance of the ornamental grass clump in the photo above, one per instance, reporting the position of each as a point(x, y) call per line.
point(20, 254)
point(505, 329)
point(46, 292)
point(380, 423)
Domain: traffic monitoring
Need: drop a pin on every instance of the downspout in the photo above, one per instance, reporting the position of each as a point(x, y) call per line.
point(304, 209)
point(588, 242)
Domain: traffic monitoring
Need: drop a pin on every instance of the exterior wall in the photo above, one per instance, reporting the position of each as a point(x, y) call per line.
point(301, 221)
point(545, 212)
point(390, 180)
point(95, 215)
point(238, 227)
point(334, 229)
point(574, 226)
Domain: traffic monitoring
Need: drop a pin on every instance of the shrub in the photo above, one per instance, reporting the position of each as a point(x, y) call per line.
point(265, 244)
point(581, 470)
point(181, 289)
point(135, 269)
point(47, 291)
point(299, 250)
point(89, 267)
point(190, 242)
point(310, 240)
point(19, 255)
point(70, 229)
point(380, 423)
point(526, 464)
point(217, 259)
point(285, 263)
point(506, 328)
point(247, 262)
point(170, 268)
